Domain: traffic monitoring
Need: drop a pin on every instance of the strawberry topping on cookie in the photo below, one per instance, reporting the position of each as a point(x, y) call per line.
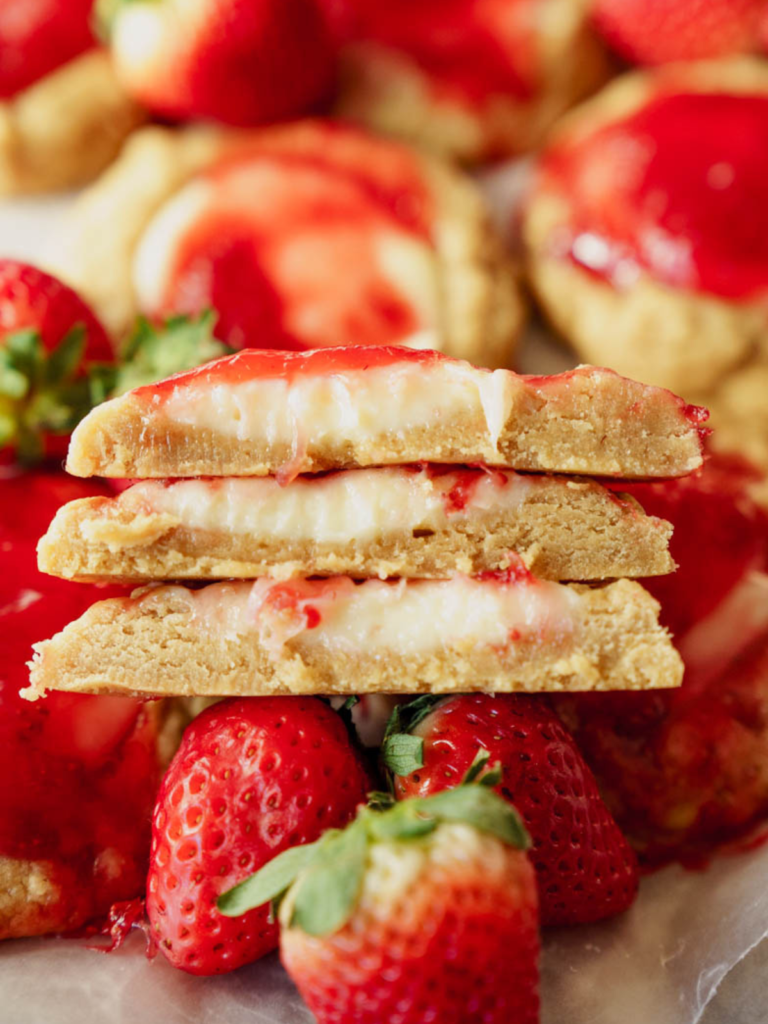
point(299, 249)
point(77, 773)
point(675, 190)
point(470, 51)
point(38, 36)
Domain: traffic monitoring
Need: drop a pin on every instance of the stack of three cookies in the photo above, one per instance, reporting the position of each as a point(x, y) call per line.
point(331, 492)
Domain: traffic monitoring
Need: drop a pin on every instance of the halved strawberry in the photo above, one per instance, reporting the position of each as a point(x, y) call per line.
point(585, 868)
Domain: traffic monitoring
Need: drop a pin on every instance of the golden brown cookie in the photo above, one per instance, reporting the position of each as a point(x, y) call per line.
point(306, 235)
point(62, 131)
point(669, 312)
point(503, 632)
point(266, 413)
point(428, 522)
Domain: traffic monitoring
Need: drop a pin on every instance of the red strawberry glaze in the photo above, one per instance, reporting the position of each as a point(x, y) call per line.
point(266, 364)
point(470, 50)
point(285, 246)
point(677, 190)
point(78, 774)
point(38, 36)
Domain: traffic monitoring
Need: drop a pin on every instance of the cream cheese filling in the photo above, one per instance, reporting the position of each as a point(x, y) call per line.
point(358, 505)
point(405, 617)
point(361, 404)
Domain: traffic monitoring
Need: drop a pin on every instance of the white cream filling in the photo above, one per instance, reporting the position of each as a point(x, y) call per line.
point(358, 404)
point(405, 617)
point(359, 505)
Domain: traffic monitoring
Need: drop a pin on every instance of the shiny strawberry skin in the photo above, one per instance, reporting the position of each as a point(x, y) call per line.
point(32, 299)
point(585, 868)
point(448, 936)
point(658, 31)
point(241, 62)
point(38, 36)
point(252, 777)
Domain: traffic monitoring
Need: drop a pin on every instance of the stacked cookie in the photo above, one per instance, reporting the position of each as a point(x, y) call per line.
point(329, 490)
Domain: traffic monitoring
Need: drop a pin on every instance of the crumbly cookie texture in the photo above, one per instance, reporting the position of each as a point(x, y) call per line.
point(676, 338)
point(258, 414)
point(387, 91)
point(363, 523)
point(481, 306)
point(65, 129)
point(335, 637)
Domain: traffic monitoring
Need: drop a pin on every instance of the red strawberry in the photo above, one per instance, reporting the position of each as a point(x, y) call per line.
point(685, 769)
point(658, 31)
point(243, 62)
point(252, 777)
point(37, 36)
point(422, 912)
point(47, 335)
point(78, 775)
point(585, 868)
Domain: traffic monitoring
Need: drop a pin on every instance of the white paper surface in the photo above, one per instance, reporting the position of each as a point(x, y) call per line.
point(659, 964)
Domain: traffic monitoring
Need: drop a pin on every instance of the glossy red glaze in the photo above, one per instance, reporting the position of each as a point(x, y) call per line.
point(38, 36)
point(252, 364)
point(676, 190)
point(285, 245)
point(78, 774)
point(470, 49)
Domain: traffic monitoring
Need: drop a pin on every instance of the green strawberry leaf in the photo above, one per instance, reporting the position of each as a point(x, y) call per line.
point(327, 891)
point(402, 753)
point(405, 717)
point(270, 882)
point(480, 807)
point(154, 353)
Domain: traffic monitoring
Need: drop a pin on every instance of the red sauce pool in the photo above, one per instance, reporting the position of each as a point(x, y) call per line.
point(678, 190)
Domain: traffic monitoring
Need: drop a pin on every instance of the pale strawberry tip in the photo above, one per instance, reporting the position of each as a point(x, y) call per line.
point(326, 877)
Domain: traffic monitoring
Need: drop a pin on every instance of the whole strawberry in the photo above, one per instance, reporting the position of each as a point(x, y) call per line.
point(38, 36)
point(48, 335)
point(585, 868)
point(420, 913)
point(252, 777)
point(658, 31)
point(241, 62)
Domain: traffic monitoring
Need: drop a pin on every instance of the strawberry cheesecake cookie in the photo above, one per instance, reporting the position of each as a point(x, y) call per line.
point(78, 775)
point(264, 412)
point(497, 632)
point(407, 521)
point(63, 115)
point(302, 236)
point(471, 80)
point(645, 232)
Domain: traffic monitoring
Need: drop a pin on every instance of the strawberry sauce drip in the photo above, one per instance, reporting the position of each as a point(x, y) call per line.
point(78, 773)
point(286, 246)
point(470, 50)
point(676, 190)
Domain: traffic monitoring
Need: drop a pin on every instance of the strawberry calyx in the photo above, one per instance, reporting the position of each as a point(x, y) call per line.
point(401, 752)
point(325, 878)
point(42, 392)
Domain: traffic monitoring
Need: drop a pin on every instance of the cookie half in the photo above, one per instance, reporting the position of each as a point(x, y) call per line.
point(416, 522)
point(498, 632)
point(258, 413)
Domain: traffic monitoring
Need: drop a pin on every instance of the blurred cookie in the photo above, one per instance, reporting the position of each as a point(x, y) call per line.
point(307, 235)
